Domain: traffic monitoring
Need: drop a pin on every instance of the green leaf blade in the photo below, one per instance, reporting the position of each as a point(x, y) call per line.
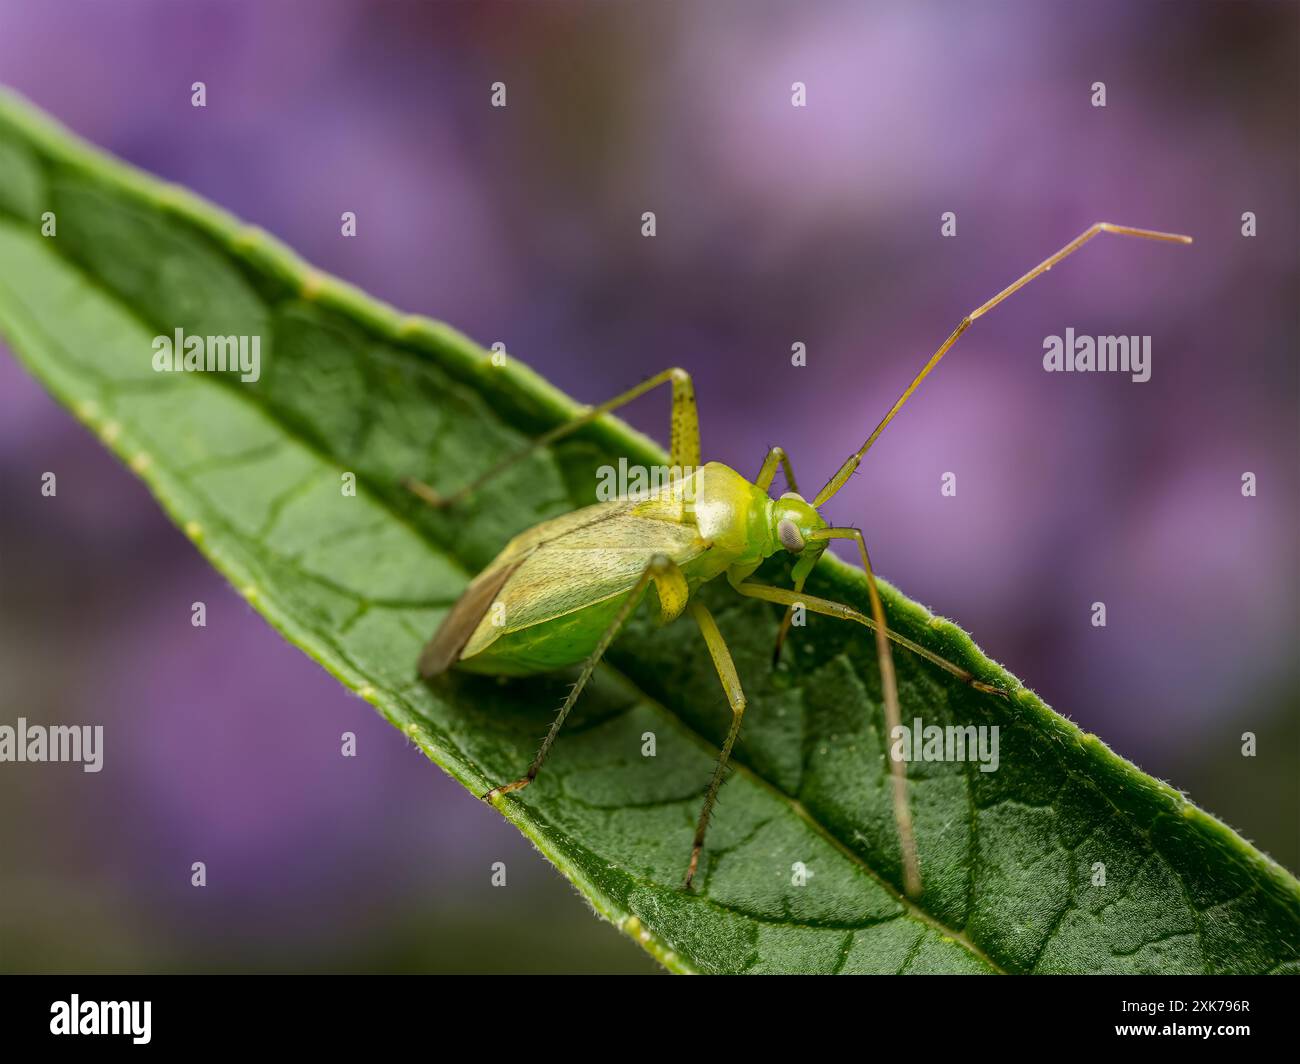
point(253, 474)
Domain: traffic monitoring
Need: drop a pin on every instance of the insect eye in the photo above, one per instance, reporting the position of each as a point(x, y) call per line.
point(788, 533)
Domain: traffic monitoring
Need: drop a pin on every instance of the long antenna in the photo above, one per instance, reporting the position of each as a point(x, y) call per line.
point(851, 463)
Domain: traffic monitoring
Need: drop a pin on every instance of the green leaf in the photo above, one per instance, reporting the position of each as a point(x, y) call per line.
point(253, 473)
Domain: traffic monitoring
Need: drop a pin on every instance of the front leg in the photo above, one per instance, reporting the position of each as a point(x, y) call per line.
point(767, 472)
point(777, 458)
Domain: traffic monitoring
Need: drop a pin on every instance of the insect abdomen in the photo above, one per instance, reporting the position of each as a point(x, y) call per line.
point(544, 647)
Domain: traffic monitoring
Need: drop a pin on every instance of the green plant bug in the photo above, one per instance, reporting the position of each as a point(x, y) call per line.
point(558, 594)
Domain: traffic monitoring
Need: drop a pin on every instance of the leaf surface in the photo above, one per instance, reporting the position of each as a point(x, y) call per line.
point(253, 472)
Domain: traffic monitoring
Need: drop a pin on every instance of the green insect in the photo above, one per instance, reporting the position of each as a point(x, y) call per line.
point(558, 593)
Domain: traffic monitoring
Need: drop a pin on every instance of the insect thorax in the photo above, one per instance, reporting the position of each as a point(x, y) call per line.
point(732, 514)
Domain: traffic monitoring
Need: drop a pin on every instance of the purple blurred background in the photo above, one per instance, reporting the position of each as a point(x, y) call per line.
point(775, 225)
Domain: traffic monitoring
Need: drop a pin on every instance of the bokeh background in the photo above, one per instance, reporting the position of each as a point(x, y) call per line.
point(775, 225)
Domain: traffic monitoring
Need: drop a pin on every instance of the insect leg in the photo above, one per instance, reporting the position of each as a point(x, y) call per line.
point(784, 630)
point(777, 457)
point(685, 435)
point(889, 684)
point(736, 698)
point(893, 716)
point(830, 608)
point(767, 473)
point(664, 572)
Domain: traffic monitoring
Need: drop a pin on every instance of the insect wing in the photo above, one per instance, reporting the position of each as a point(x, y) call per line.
point(588, 565)
point(444, 649)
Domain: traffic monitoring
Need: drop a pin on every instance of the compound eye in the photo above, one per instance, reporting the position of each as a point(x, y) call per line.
point(788, 533)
